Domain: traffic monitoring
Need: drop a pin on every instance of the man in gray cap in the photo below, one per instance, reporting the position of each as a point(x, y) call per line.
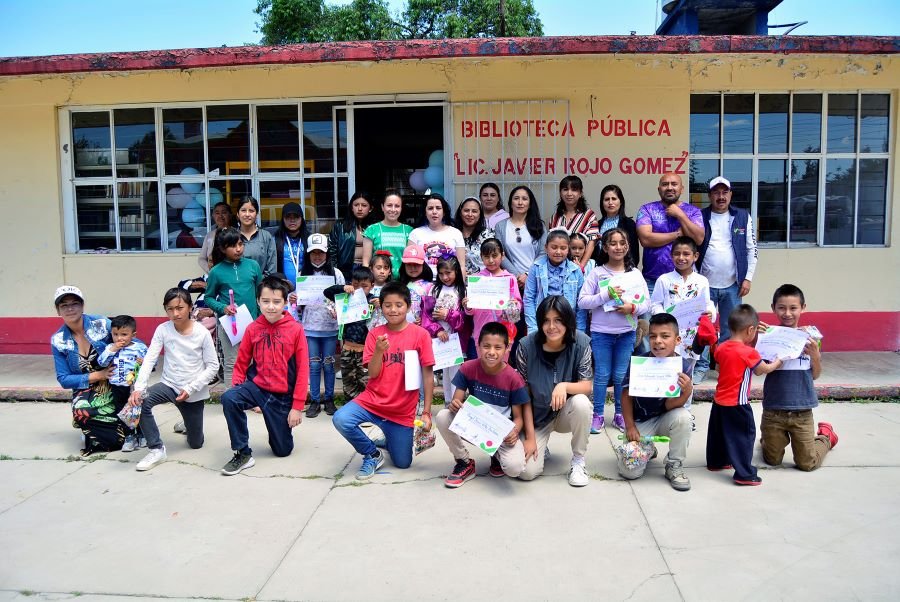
point(727, 258)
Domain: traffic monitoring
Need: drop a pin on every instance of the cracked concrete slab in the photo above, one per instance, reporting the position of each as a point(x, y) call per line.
point(25, 478)
point(419, 540)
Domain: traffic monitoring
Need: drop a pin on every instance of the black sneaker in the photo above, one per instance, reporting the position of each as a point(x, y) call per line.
point(462, 472)
point(330, 408)
point(238, 463)
point(496, 469)
point(313, 409)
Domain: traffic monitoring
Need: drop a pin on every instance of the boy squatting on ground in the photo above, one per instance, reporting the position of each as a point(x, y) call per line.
point(385, 402)
point(276, 382)
point(353, 336)
point(732, 429)
point(125, 355)
point(789, 396)
point(494, 382)
point(662, 415)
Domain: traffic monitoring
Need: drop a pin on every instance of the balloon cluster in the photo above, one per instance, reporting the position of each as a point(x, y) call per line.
point(432, 176)
point(190, 198)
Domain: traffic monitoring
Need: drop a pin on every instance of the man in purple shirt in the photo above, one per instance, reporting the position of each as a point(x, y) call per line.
point(661, 222)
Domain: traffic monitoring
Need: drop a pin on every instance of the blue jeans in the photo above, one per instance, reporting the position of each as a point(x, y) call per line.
point(321, 354)
point(191, 413)
point(612, 355)
point(399, 438)
point(235, 403)
point(725, 300)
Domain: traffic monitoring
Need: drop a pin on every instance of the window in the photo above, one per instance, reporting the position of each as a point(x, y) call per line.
point(812, 168)
point(146, 178)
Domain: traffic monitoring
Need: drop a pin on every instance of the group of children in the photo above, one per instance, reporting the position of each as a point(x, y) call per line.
point(287, 349)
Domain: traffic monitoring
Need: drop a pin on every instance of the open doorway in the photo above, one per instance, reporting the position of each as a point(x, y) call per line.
point(392, 142)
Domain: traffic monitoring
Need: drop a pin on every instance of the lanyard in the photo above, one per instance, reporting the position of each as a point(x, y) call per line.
point(295, 257)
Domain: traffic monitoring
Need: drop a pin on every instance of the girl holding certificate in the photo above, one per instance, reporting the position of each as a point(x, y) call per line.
point(616, 293)
point(493, 257)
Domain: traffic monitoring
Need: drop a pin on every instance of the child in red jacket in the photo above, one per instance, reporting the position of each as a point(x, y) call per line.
point(276, 382)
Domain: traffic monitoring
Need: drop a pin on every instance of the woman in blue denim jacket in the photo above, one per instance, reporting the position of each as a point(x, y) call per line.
point(554, 274)
point(76, 347)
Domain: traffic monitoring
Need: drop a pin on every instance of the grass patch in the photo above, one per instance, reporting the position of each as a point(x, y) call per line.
point(861, 400)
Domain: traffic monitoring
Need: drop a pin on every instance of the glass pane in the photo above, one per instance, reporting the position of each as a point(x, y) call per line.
point(183, 141)
point(705, 110)
point(95, 207)
point(92, 143)
point(273, 196)
point(804, 200)
point(841, 123)
point(277, 138)
point(873, 129)
point(135, 143)
point(840, 201)
point(872, 201)
point(771, 203)
point(773, 123)
point(342, 140)
point(806, 123)
point(231, 191)
point(228, 139)
point(700, 171)
point(318, 141)
point(139, 216)
point(738, 123)
point(740, 173)
point(320, 204)
point(186, 216)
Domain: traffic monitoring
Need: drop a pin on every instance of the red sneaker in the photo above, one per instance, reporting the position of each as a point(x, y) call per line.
point(752, 481)
point(718, 468)
point(496, 470)
point(826, 429)
point(462, 472)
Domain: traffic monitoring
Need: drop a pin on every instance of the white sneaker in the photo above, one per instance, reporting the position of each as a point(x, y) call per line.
point(131, 444)
point(180, 428)
point(156, 456)
point(577, 474)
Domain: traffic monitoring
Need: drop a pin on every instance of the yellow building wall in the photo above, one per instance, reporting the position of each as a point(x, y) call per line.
point(621, 87)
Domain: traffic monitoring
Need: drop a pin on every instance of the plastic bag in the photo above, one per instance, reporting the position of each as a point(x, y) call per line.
point(635, 454)
point(130, 415)
point(422, 440)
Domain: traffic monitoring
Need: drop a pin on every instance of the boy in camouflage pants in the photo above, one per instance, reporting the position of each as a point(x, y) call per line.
point(353, 336)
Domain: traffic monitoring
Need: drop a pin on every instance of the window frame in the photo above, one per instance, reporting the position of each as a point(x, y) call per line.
point(822, 157)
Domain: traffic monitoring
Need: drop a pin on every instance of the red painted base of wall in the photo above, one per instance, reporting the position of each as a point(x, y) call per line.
point(843, 331)
point(32, 335)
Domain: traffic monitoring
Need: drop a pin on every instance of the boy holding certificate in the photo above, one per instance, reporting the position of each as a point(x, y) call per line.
point(789, 396)
point(353, 335)
point(392, 353)
point(494, 382)
point(732, 429)
point(647, 416)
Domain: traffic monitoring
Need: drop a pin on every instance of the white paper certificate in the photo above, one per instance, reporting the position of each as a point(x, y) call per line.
point(309, 288)
point(481, 425)
point(688, 312)
point(352, 308)
point(488, 292)
point(654, 377)
point(241, 320)
point(781, 343)
point(447, 354)
point(412, 370)
point(632, 283)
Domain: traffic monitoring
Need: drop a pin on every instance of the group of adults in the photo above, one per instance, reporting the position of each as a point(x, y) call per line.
point(728, 253)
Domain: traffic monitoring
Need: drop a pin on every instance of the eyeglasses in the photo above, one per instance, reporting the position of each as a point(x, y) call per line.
point(518, 234)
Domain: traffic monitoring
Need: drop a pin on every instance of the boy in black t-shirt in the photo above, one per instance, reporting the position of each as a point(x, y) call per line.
point(663, 415)
point(789, 396)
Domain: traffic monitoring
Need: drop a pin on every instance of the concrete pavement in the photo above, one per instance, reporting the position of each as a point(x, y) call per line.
point(301, 528)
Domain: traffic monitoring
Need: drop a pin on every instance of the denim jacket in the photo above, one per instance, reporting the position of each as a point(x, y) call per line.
point(537, 285)
point(65, 350)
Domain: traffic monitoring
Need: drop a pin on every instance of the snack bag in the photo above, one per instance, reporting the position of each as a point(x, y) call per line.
point(422, 440)
point(130, 415)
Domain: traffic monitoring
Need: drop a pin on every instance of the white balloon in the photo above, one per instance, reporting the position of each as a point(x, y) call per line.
point(178, 197)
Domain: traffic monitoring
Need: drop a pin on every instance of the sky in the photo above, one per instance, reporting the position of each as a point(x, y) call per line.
point(46, 27)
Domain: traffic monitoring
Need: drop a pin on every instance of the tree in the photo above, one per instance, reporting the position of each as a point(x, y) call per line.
point(298, 21)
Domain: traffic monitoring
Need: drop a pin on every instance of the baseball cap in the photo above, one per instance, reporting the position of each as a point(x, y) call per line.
point(67, 289)
point(292, 209)
point(414, 254)
point(317, 242)
point(719, 180)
